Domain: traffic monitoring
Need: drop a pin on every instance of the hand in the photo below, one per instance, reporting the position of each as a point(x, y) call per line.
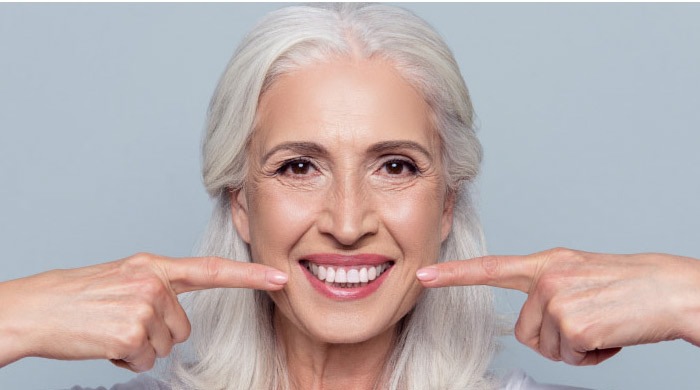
point(126, 311)
point(582, 307)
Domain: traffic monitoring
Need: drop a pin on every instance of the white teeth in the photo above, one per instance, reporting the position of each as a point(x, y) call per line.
point(371, 273)
point(362, 275)
point(347, 277)
point(340, 276)
point(353, 276)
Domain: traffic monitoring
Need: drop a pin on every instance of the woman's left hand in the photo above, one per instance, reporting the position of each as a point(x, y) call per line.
point(583, 307)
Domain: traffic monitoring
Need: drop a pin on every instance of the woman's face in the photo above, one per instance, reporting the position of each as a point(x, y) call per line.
point(345, 193)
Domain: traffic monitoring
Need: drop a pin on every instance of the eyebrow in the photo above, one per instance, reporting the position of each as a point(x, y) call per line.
point(303, 148)
point(312, 148)
point(389, 146)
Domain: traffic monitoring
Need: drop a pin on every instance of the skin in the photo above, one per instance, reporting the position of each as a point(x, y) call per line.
point(345, 198)
point(125, 311)
point(583, 308)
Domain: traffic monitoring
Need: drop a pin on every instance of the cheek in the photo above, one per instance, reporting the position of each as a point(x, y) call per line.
point(414, 220)
point(277, 221)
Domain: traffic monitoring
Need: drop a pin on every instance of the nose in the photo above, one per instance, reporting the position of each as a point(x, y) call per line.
point(348, 213)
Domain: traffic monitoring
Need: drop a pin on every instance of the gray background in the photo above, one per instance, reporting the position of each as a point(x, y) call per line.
point(588, 115)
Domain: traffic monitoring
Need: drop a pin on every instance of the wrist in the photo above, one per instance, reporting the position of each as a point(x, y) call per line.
point(690, 312)
point(12, 333)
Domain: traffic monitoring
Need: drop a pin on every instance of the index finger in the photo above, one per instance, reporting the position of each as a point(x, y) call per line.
point(513, 272)
point(199, 273)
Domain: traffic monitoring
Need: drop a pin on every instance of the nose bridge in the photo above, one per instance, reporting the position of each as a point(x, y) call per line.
point(350, 215)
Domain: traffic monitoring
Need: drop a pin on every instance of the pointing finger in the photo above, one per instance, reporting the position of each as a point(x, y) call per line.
point(200, 273)
point(513, 272)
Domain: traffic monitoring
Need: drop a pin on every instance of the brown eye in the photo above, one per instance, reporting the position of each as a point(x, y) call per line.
point(296, 168)
point(399, 167)
point(394, 168)
point(299, 167)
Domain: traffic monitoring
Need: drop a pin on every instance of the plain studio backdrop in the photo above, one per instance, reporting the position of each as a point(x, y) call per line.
point(589, 116)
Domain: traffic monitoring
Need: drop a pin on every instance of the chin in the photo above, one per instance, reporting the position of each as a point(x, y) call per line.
point(343, 330)
point(333, 322)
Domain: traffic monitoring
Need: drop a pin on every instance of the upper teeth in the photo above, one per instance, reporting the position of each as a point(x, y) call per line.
point(354, 274)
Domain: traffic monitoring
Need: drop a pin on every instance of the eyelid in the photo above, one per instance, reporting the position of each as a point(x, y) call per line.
point(398, 157)
point(411, 164)
point(282, 166)
point(295, 159)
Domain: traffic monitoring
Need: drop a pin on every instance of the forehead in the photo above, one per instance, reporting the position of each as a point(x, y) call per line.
point(351, 101)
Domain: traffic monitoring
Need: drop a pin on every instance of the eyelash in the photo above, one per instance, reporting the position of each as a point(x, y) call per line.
point(412, 168)
point(286, 166)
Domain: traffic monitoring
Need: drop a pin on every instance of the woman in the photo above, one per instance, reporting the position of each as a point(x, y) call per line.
point(362, 169)
point(297, 145)
point(334, 144)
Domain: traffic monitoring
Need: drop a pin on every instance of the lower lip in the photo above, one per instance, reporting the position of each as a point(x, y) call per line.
point(345, 294)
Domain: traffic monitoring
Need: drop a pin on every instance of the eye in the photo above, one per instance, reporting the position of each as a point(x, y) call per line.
point(296, 167)
point(397, 167)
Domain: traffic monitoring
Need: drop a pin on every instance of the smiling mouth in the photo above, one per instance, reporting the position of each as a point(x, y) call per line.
point(346, 276)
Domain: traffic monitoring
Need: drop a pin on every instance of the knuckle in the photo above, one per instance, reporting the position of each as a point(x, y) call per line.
point(183, 332)
point(139, 259)
point(519, 332)
point(213, 268)
point(150, 363)
point(561, 253)
point(136, 265)
point(146, 364)
point(525, 336)
point(575, 333)
point(164, 350)
point(546, 352)
point(552, 355)
point(491, 266)
point(151, 288)
point(554, 352)
point(252, 273)
point(579, 338)
point(558, 310)
point(572, 358)
point(115, 353)
point(569, 358)
point(143, 314)
point(131, 339)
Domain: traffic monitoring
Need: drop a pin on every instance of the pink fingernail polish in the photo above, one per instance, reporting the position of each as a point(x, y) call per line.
point(276, 277)
point(427, 274)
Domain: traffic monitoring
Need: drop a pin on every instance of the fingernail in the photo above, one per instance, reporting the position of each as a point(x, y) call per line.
point(276, 277)
point(427, 274)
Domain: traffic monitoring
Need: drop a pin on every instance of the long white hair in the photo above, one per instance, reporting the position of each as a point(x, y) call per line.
point(447, 341)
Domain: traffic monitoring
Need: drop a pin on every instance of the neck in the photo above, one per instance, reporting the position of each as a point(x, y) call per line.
point(316, 365)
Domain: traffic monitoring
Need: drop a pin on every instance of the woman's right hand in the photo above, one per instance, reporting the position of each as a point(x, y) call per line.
point(125, 311)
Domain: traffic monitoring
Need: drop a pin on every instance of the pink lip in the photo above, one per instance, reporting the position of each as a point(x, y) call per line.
point(346, 294)
point(347, 260)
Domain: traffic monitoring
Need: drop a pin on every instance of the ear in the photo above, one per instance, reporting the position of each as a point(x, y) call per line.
point(239, 213)
point(447, 213)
